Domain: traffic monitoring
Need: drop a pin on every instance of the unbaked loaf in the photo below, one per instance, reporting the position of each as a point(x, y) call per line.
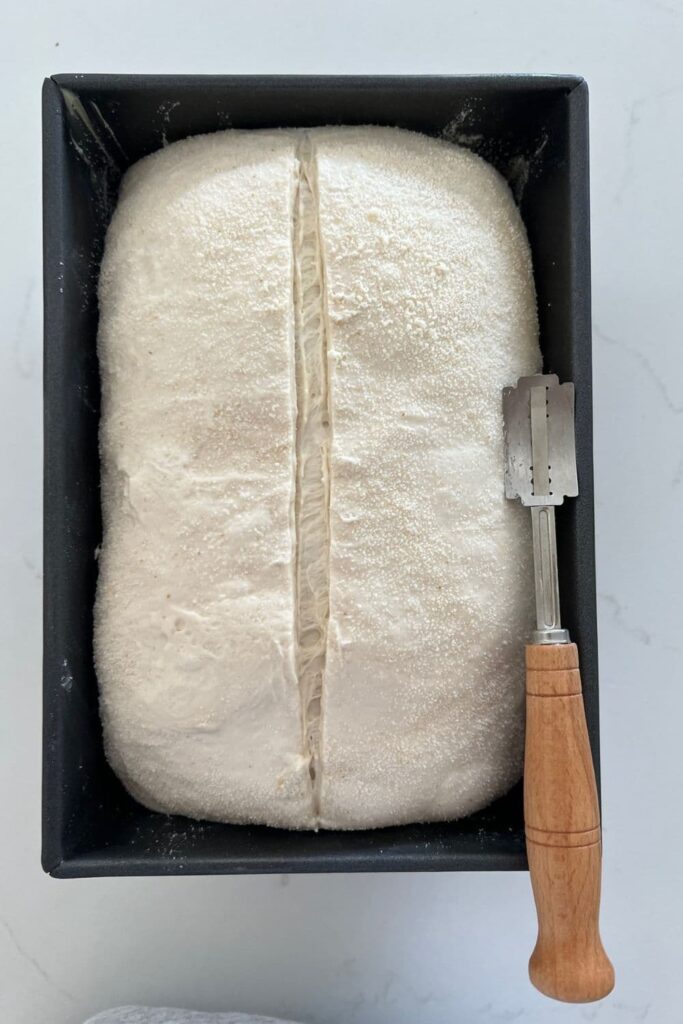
point(312, 593)
point(194, 618)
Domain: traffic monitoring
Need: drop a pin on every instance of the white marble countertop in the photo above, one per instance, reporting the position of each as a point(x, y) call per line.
point(411, 949)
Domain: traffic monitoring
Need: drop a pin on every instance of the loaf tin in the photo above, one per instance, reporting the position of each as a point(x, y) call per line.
point(535, 131)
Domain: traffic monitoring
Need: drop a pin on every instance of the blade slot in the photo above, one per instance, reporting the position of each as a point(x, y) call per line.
point(539, 441)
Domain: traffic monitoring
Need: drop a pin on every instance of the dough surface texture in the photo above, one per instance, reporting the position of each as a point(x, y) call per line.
point(312, 593)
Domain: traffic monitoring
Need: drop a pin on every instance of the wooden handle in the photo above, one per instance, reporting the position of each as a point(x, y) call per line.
point(562, 821)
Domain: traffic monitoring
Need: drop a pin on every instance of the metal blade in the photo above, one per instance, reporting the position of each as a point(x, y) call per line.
point(540, 448)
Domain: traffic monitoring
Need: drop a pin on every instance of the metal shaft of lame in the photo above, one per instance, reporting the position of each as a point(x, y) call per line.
point(548, 627)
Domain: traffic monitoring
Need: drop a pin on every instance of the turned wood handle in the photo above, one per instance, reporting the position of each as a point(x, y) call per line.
point(562, 822)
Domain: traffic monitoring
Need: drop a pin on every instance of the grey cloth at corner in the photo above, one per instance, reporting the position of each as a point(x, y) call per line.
point(149, 1015)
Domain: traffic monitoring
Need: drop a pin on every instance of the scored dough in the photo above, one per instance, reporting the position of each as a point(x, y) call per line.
point(303, 341)
point(432, 312)
point(194, 640)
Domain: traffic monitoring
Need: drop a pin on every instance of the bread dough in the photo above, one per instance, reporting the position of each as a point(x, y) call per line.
point(432, 312)
point(312, 593)
point(194, 641)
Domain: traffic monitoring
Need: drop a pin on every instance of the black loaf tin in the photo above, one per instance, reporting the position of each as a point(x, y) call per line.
point(535, 131)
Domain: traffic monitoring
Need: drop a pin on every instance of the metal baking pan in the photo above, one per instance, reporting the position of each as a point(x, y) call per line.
point(535, 131)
